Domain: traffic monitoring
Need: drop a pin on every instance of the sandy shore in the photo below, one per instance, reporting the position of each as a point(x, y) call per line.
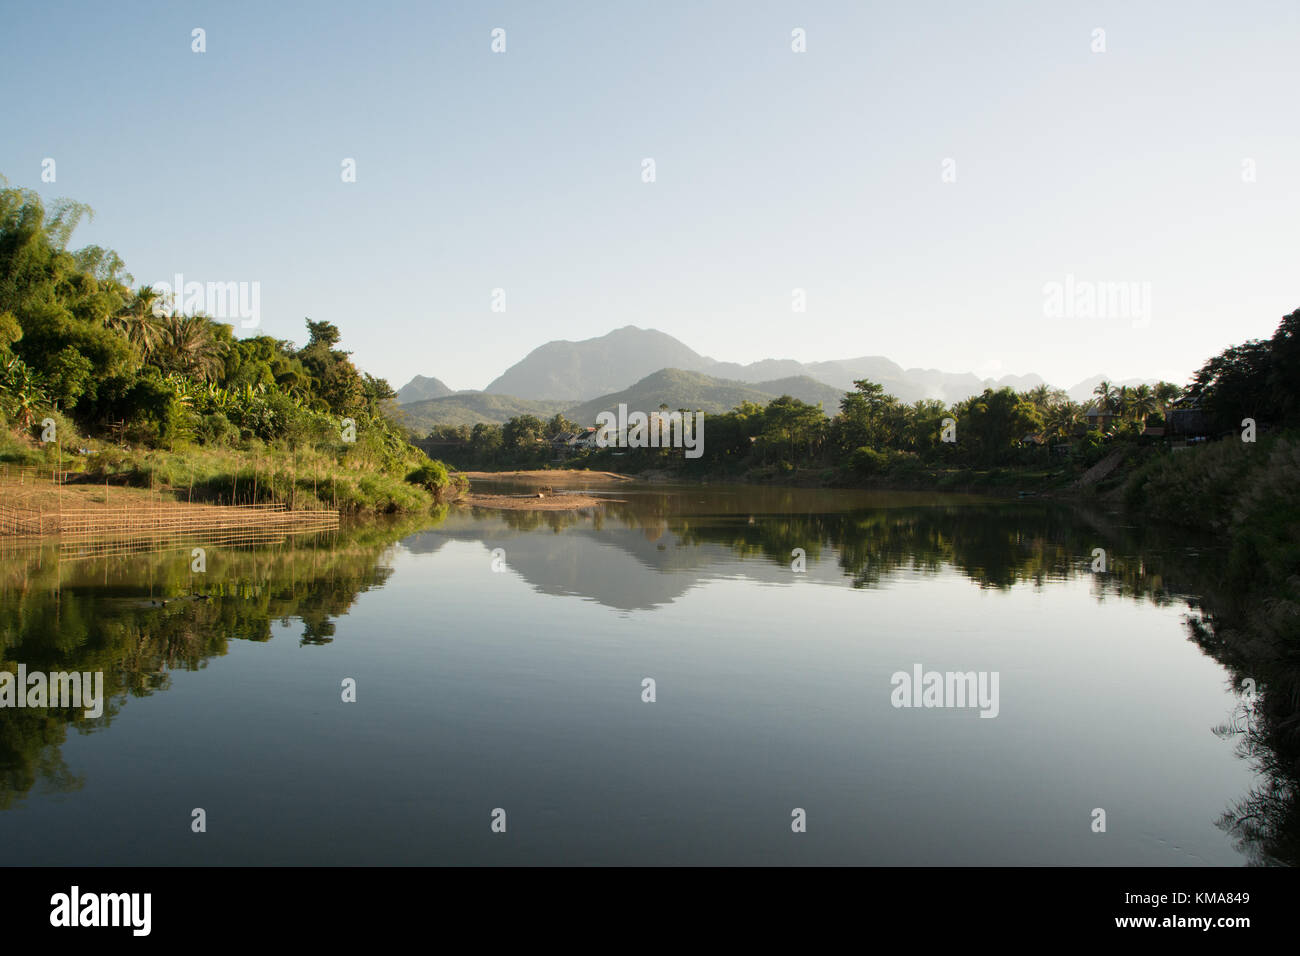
point(547, 503)
point(559, 475)
point(544, 481)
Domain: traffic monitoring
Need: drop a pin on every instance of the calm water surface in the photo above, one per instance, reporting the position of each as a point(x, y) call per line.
point(521, 688)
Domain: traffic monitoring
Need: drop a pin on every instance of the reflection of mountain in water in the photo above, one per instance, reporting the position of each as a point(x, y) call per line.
point(639, 555)
point(619, 567)
point(654, 548)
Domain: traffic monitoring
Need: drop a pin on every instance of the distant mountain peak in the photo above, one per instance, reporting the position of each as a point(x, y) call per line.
point(420, 388)
point(572, 373)
point(576, 371)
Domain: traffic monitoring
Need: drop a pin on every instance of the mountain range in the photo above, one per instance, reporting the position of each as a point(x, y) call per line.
point(645, 367)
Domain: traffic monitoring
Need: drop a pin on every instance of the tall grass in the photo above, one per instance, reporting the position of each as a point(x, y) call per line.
point(350, 478)
point(1250, 494)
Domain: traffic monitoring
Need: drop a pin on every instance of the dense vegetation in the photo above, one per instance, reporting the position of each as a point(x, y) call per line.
point(1245, 491)
point(1248, 493)
point(873, 438)
point(140, 391)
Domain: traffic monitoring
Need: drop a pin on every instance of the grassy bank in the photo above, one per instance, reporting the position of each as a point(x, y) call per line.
point(1246, 492)
point(345, 477)
point(1026, 471)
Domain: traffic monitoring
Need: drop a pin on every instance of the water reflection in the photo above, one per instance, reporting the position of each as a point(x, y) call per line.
point(142, 618)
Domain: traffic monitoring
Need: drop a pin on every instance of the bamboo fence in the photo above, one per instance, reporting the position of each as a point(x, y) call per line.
point(143, 526)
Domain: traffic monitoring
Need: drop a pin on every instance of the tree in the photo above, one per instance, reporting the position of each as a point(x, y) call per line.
point(189, 344)
point(1106, 396)
point(794, 422)
point(1166, 394)
point(924, 422)
point(559, 425)
point(377, 391)
point(1235, 385)
point(69, 375)
point(1143, 403)
point(10, 332)
point(59, 300)
point(326, 335)
point(995, 421)
point(1063, 418)
point(1284, 370)
point(1041, 396)
point(485, 442)
point(136, 320)
point(522, 433)
point(865, 416)
point(337, 385)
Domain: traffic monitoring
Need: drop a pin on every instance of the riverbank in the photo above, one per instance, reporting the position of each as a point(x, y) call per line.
point(34, 505)
point(544, 498)
point(569, 502)
point(543, 476)
point(1050, 479)
point(345, 478)
point(1097, 474)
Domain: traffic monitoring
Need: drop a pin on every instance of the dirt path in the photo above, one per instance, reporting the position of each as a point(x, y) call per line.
point(41, 494)
point(1100, 470)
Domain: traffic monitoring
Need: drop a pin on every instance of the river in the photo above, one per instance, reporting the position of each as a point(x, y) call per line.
point(690, 675)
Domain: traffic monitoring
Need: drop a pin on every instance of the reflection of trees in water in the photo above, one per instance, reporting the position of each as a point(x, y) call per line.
point(31, 744)
point(1264, 726)
point(138, 618)
point(998, 546)
point(555, 521)
point(97, 615)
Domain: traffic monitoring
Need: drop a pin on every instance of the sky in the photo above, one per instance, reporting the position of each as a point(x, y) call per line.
point(931, 175)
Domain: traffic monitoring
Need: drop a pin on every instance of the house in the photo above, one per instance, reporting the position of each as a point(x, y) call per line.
point(1098, 419)
point(584, 438)
point(1190, 422)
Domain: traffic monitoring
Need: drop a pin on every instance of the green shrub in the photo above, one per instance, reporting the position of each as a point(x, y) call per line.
point(1194, 485)
point(216, 430)
point(432, 475)
point(867, 462)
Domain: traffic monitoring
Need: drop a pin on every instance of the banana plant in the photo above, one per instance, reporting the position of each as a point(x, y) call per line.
point(23, 390)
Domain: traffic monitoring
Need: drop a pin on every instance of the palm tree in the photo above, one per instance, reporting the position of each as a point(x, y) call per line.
point(1123, 403)
point(1144, 402)
point(138, 322)
point(1105, 393)
point(189, 347)
point(1064, 417)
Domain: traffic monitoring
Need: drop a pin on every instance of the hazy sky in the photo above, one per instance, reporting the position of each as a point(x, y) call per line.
point(775, 170)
